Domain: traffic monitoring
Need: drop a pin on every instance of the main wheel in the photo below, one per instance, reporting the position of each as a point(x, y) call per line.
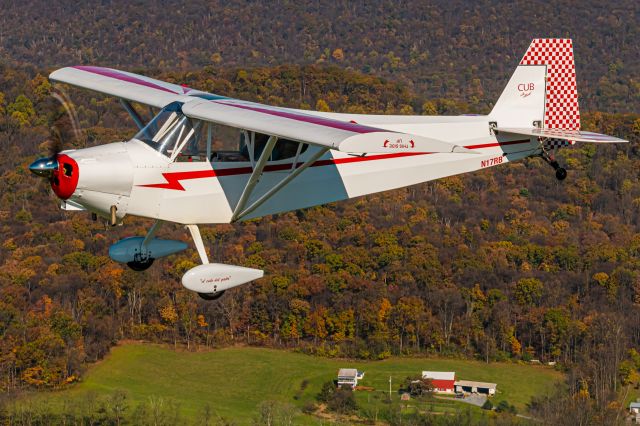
point(561, 174)
point(211, 296)
point(140, 265)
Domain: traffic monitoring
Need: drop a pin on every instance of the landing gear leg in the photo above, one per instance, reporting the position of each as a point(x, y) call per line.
point(142, 260)
point(197, 240)
point(561, 172)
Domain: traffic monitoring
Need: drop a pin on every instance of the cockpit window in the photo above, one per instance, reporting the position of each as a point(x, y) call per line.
point(173, 134)
point(184, 139)
point(249, 147)
point(284, 149)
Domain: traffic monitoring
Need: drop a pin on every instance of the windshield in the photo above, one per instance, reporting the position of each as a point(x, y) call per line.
point(172, 133)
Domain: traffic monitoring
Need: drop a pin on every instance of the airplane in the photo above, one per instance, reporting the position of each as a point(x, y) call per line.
point(288, 159)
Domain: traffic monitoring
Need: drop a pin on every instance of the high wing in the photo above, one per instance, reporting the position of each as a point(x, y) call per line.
point(569, 135)
point(329, 133)
point(284, 123)
point(121, 84)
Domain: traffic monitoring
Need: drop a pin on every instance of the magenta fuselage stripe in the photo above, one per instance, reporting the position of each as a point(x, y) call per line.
point(120, 76)
point(326, 122)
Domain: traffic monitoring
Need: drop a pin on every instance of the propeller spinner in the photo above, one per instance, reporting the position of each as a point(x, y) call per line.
point(62, 172)
point(44, 167)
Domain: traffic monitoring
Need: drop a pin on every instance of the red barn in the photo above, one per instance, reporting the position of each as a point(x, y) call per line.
point(443, 381)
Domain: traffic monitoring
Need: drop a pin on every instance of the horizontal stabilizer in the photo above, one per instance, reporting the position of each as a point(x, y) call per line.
point(569, 135)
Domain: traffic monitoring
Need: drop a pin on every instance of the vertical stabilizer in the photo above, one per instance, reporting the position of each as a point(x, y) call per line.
point(542, 90)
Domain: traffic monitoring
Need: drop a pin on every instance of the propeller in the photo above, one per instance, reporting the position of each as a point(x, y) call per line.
point(71, 117)
point(55, 144)
point(47, 167)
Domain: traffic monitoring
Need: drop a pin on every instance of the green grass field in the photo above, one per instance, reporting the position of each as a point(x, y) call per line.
point(234, 381)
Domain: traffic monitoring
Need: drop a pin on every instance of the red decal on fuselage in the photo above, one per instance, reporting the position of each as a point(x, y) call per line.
point(491, 162)
point(173, 179)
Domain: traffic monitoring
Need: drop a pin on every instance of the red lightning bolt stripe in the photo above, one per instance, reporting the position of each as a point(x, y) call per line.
point(173, 179)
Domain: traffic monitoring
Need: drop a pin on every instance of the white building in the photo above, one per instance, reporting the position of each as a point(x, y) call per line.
point(476, 387)
point(349, 377)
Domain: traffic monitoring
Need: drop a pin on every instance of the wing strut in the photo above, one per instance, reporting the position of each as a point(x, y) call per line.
point(133, 113)
point(281, 184)
point(197, 240)
point(255, 176)
point(209, 136)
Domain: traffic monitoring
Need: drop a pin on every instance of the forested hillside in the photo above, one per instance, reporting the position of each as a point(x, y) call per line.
point(502, 264)
point(452, 48)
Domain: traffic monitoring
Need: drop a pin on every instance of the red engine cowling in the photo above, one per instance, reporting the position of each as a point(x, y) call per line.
point(64, 180)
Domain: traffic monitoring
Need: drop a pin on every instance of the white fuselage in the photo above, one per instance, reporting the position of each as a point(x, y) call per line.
point(143, 182)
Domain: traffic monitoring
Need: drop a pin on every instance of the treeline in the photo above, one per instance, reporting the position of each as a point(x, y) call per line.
point(503, 264)
point(118, 409)
point(443, 48)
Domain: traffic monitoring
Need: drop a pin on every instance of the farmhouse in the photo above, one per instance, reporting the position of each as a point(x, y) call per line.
point(476, 387)
point(443, 381)
point(349, 377)
point(634, 410)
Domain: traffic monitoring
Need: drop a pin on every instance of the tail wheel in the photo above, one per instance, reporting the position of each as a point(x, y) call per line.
point(561, 173)
point(140, 265)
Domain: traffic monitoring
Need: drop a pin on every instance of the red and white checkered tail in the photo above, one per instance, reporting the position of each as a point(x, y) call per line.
point(542, 92)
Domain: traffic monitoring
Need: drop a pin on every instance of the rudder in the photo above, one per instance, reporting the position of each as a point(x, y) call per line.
point(548, 64)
